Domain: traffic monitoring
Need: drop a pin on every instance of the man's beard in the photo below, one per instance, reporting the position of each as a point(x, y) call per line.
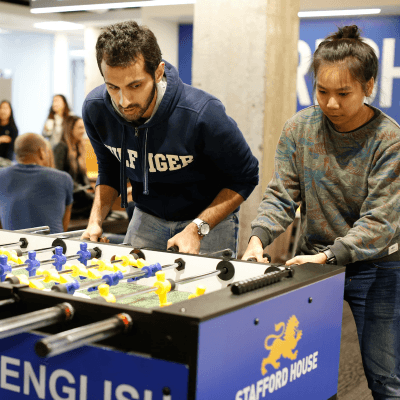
point(140, 110)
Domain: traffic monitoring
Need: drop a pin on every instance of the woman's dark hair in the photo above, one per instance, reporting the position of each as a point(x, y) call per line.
point(346, 46)
point(11, 121)
point(121, 44)
point(76, 151)
point(66, 107)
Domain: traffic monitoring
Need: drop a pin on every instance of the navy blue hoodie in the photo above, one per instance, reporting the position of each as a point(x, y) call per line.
point(178, 161)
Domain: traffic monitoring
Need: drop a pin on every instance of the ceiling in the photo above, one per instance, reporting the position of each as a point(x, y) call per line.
point(388, 6)
point(21, 2)
point(15, 14)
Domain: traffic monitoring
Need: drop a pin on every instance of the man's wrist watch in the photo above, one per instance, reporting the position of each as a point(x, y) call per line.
point(203, 228)
point(330, 257)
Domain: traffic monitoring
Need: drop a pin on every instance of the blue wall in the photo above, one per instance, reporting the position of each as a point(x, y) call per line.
point(383, 34)
point(30, 58)
point(185, 53)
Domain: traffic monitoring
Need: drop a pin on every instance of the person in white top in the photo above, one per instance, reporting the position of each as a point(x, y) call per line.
point(54, 126)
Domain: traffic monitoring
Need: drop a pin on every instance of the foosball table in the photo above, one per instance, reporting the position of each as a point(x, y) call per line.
point(96, 321)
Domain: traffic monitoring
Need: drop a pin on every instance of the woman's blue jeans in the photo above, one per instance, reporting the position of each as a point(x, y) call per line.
point(148, 231)
point(373, 293)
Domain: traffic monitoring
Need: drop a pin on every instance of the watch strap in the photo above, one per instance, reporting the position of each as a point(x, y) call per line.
point(199, 222)
point(330, 257)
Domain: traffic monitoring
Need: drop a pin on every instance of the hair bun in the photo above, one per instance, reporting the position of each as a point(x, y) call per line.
point(348, 32)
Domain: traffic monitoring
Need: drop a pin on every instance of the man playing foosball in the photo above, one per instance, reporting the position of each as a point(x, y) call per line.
point(189, 166)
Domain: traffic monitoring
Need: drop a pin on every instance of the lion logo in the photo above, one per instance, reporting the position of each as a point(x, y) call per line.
point(282, 347)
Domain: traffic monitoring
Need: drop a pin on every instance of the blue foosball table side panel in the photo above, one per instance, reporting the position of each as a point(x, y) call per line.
point(286, 347)
point(88, 373)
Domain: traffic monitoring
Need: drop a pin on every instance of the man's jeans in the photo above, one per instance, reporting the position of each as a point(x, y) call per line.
point(373, 293)
point(147, 231)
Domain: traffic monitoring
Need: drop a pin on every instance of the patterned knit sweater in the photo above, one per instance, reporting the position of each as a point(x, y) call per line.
point(347, 184)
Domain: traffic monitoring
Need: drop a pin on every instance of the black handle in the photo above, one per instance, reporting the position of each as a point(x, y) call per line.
point(260, 281)
point(265, 255)
point(173, 249)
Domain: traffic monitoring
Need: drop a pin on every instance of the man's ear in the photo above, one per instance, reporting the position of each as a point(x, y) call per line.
point(160, 71)
point(42, 154)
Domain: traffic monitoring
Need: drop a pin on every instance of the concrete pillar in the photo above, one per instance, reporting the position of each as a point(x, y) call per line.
point(166, 32)
point(93, 77)
point(245, 53)
point(61, 67)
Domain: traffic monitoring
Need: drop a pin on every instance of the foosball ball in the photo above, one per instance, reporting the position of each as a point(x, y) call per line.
point(96, 321)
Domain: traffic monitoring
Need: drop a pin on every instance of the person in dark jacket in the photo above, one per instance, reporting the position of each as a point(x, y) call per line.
point(187, 161)
point(8, 130)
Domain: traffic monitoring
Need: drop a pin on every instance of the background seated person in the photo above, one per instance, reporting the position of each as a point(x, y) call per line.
point(31, 193)
point(8, 130)
point(69, 156)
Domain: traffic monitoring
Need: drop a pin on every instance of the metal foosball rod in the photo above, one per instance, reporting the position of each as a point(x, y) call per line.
point(15, 254)
point(227, 253)
point(37, 319)
point(83, 254)
point(68, 271)
point(22, 243)
point(58, 260)
point(68, 234)
point(74, 338)
point(56, 243)
point(225, 271)
point(8, 301)
point(52, 275)
point(46, 275)
point(38, 229)
point(113, 279)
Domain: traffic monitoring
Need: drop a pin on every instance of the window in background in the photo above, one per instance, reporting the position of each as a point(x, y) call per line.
point(78, 84)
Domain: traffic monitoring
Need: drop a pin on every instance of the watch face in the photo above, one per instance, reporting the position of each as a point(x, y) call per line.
point(204, 229)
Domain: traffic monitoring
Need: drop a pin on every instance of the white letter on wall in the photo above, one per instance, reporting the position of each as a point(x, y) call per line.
point(304, 64)
point(389, 72)
point(376, 50)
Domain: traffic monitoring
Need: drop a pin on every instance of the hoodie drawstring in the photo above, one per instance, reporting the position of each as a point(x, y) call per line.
point(124, 196)
point(145, 170)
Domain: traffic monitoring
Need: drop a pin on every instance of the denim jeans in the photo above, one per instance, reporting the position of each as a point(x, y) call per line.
point(373, 293)
point(148, 231)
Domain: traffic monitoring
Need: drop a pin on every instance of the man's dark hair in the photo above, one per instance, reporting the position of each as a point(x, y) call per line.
point(121, 44)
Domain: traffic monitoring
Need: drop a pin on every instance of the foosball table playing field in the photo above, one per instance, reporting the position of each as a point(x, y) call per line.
point(95, 321)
